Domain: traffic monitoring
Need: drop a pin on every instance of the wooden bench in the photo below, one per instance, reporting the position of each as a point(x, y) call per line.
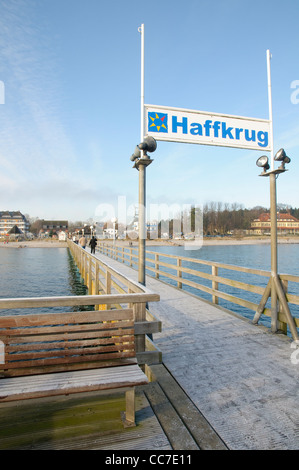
point(63, 353)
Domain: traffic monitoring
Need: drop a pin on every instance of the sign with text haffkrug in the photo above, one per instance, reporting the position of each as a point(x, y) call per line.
point(198, 127)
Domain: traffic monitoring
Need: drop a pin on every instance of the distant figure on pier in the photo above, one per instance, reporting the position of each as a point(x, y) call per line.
point(83, 241)
point(93, 244)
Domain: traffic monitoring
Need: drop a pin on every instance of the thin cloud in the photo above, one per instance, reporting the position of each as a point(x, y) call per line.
point(38, 164)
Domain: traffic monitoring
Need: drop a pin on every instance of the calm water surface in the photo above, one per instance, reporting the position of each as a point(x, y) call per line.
point(38, 272)
point(42, 272)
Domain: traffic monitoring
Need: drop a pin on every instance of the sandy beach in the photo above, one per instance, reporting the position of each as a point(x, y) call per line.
point(213, 241)
point(206, 242)
point(34, 244)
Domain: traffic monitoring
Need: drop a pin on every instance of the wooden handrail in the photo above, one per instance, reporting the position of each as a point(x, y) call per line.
point(110, 287)
point(71, 301)
point(155, 265)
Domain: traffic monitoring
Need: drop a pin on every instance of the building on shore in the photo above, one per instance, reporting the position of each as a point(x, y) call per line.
point(286, 224)
point(54, 225)
point(10, 219)
point(53, 228)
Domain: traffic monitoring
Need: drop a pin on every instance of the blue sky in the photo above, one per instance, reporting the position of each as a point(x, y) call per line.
point(71, 115)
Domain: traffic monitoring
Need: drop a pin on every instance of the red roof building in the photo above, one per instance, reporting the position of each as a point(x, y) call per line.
point(286, 223)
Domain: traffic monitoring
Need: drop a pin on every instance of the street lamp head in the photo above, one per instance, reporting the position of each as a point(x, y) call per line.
point(282, 157)
point(263, 162)
point(148, 145)
point(136, 154)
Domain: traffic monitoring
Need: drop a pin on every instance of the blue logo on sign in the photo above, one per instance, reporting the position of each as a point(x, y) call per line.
point(157, 122)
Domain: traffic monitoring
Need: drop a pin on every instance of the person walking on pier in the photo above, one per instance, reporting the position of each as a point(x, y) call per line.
point(82, 241)
point(93, 244)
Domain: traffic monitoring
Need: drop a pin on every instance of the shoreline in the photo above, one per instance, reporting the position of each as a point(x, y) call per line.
point(206, 242)
point(34, 244)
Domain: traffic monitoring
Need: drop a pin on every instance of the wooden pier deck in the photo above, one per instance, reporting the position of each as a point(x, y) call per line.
point(238, 377)
point(223, 384)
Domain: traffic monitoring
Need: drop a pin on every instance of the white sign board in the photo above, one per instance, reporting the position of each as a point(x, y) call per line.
point(198, 127)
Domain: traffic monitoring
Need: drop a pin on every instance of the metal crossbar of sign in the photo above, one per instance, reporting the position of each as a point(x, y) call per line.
point(198, 127)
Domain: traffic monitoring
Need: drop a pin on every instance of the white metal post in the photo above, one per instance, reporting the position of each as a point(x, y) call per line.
point(273, 208)
point(141, 30)
point(270, 107)
point(274, 287)
point(142, 177)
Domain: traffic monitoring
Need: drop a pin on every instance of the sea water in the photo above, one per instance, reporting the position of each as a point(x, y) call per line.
point(38, 272)
point(44, 272)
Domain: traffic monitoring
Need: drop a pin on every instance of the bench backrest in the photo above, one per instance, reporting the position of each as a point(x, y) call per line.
point(42, 343)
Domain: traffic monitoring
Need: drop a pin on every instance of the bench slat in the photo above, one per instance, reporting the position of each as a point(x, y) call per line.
point(69, 360)
point(72, 351)
point(12, 321)
point(60, 354)
point(64, 383)
point(66, 342)
point(67, 366)
point(65, 335)
point(41, 340)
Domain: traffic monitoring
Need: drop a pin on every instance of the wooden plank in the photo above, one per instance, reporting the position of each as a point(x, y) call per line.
point(64, 383)
point(49, 331)
point(13, 321)
point(69, 301)
point(173, 426)
point(58, 347)
point(202, 432)
point(292, 299)
point(211, 277)
point(50, 368)
point(259, 272)
point(70, 354)
point(130, 408)
point(147, 327)
point(65, 360)
point(289, 277)
point(86, 422)
point(139, 316)
point(72, 342)
point(38, 346)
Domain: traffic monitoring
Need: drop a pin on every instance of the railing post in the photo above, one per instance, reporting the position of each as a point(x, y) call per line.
point(139, 311)
point(130, 255)
point(108, 282)
point(83, 265)
point(157, 265)
point(215, 299)
point(86, 268)
point(90, 274)
point(96, 280)
point(179, 272)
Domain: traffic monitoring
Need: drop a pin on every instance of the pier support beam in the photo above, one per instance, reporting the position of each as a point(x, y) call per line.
point(274, 272)
point(274, 287)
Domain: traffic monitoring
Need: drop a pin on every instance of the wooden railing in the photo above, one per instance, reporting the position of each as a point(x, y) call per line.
point(202, 275)
point(107, 286)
